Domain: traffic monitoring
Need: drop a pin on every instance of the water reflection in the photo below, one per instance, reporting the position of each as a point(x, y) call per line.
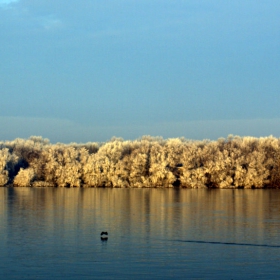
point(149, 213)
point(147, 227)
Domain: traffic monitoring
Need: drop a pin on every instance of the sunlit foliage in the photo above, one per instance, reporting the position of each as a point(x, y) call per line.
point(234, 162)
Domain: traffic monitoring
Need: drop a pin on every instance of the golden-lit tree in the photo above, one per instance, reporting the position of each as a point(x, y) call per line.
point(234, 162)
point(24, 177)
point(7, 163)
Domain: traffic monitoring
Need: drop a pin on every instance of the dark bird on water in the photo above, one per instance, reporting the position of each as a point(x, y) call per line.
point(104, 235)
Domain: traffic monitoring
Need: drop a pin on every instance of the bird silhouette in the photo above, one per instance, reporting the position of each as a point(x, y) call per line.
point(104, 236)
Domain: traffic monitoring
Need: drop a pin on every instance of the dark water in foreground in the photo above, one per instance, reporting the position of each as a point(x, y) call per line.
point(153, 234)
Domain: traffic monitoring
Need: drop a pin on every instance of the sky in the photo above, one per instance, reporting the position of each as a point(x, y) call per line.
point(88, 70)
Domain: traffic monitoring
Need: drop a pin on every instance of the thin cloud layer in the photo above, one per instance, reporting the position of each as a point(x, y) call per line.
point(50, 22)
point(7, 2)
point(66, 131)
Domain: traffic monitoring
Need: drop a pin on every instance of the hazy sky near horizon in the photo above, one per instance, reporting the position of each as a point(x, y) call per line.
point(128, 67)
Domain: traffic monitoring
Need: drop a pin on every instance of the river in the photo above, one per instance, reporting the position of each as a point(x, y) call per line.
point(54, 233)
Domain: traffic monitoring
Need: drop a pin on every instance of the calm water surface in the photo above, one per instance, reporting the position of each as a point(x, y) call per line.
point(153, 234)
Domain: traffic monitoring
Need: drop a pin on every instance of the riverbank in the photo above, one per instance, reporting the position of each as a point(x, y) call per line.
point(234, 162)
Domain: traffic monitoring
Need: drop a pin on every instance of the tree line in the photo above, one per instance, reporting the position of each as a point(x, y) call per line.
point(232, 162)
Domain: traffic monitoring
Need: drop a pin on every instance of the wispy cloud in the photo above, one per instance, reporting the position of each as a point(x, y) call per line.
point(61, 130)
point(50, 22)
point(6, 4)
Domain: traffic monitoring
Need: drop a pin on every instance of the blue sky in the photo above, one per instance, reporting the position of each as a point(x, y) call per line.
point(88, 70)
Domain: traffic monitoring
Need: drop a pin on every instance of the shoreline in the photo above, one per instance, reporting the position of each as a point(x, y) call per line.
point(227, 163)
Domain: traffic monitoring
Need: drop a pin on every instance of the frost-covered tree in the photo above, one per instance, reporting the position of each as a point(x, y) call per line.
point(24, 177)
point(7, 163)
point(234, 162)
